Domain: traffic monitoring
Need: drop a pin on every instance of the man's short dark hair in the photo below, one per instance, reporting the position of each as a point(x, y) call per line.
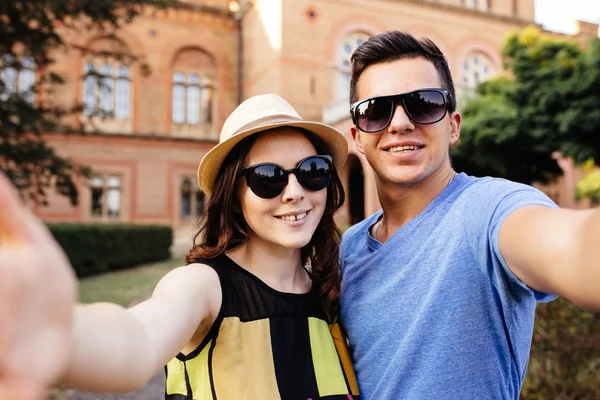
point(395, 45)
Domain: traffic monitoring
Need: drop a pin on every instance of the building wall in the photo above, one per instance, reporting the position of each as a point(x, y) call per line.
point(294, 48)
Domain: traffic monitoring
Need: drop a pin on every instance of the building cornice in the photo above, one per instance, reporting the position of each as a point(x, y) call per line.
point(133, 136)
point(468, 11)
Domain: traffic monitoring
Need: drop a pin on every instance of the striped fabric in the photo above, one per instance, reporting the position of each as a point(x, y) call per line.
point(264, 344)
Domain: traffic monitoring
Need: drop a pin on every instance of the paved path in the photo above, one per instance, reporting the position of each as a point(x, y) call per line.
point(154, 390)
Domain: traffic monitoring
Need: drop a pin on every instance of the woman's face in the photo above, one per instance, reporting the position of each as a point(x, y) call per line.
point(289, 219)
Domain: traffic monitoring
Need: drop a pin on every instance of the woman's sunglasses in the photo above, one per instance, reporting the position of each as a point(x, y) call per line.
point(423, 106)
point(267, 180)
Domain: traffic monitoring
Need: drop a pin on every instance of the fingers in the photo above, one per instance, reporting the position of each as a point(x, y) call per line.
point(19, 390)
point(16, 222)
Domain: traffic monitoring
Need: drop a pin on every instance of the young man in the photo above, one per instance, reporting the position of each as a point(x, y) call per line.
point(440, 286)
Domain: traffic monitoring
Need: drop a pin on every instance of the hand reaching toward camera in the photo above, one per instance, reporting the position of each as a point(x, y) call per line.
point(37, 295)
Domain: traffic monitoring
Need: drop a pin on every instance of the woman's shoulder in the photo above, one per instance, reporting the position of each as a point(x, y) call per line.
point(194, 276)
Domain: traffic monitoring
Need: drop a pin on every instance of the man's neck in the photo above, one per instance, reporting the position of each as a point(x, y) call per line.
point(401, 203)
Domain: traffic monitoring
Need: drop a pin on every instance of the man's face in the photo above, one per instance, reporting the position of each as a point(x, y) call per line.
point(405, 152)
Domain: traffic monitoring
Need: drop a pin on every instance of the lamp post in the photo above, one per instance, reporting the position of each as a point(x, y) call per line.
point(238, 13)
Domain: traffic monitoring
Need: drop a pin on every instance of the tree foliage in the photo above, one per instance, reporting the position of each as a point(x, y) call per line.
point(548, 101)
point(589, 186)
point(31, 33)
point(565, 354)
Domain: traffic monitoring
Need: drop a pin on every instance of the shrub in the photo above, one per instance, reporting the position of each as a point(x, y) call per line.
point(565, 354)
point(97, 248)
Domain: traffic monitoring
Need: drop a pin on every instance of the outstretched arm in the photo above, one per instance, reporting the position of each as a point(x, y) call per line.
point(37, 292)
point(555, 251)
point(118, 350)
point(46, 338)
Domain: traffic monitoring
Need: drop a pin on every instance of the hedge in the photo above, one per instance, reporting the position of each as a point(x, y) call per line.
point(565, 354)
point(97, 248)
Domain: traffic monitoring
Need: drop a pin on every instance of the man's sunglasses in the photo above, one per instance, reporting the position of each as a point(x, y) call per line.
point(267, 180)
point(423, 106)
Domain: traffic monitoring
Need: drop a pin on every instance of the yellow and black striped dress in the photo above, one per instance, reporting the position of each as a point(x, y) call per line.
point(264, 345)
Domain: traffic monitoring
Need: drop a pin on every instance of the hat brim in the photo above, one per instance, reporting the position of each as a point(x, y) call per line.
point(210, 165)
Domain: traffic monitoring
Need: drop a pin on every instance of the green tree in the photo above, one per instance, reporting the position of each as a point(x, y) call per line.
point(31, 33)
point(589, 186)
point(548, 101)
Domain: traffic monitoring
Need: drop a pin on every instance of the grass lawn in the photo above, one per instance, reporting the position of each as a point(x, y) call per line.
point(127, 286)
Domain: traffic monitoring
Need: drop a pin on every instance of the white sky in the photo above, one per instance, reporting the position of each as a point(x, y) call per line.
point(560, 15)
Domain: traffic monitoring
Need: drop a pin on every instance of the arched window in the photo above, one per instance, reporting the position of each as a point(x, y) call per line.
point(18, 76)
point(476, 68)
point(193, 93)
point(106, 90)
point(192, 99)
point(347, 48)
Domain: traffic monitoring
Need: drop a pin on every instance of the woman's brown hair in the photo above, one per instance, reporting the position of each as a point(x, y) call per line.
point(223, 226)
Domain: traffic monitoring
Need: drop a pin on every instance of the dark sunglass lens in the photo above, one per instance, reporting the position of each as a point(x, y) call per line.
point(314, 173)
point(267, 181)
point(426, 106)
point(373, 115)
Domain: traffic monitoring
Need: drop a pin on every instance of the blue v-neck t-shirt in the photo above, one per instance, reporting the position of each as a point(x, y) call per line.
point(434, 312)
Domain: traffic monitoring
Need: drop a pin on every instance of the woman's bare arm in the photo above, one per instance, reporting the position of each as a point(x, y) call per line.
point(119, 350)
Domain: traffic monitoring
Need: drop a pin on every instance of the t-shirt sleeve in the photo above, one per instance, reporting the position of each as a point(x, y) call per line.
point(493, 201)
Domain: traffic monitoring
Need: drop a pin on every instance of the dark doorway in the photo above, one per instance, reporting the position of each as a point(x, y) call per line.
point(356, 190)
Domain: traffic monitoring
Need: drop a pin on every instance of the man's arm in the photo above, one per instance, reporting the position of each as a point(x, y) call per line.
point(555, 251)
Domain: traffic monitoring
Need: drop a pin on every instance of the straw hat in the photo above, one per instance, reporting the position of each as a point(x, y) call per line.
point(258, 114)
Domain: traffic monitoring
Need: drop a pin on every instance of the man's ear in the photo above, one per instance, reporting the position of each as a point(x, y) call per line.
point(357, 140)
point(455, 120)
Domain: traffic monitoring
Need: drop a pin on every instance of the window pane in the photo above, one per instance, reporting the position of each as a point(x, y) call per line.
point(97, 181)
point(26, 81)
point(122, 89)
point(206, 100)
point(113, 181)
point(106, 98)
point(193, 105)
point(178, 77)
point(90, 86)
point(199, 203)
point(178, 104)
point(27, 63)
point(9, 77)
point(343, 84)
point(97, 201)
point(113, 202)
point(186, 198)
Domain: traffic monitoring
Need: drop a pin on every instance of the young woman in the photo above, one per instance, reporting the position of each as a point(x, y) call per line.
point(253, 313)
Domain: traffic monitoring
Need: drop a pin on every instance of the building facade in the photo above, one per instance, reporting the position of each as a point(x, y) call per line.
point(197, 61)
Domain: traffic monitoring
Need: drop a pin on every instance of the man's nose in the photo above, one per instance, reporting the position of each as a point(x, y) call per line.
point(400, 121)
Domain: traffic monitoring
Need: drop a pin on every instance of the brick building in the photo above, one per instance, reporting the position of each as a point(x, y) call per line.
point(206, 56)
